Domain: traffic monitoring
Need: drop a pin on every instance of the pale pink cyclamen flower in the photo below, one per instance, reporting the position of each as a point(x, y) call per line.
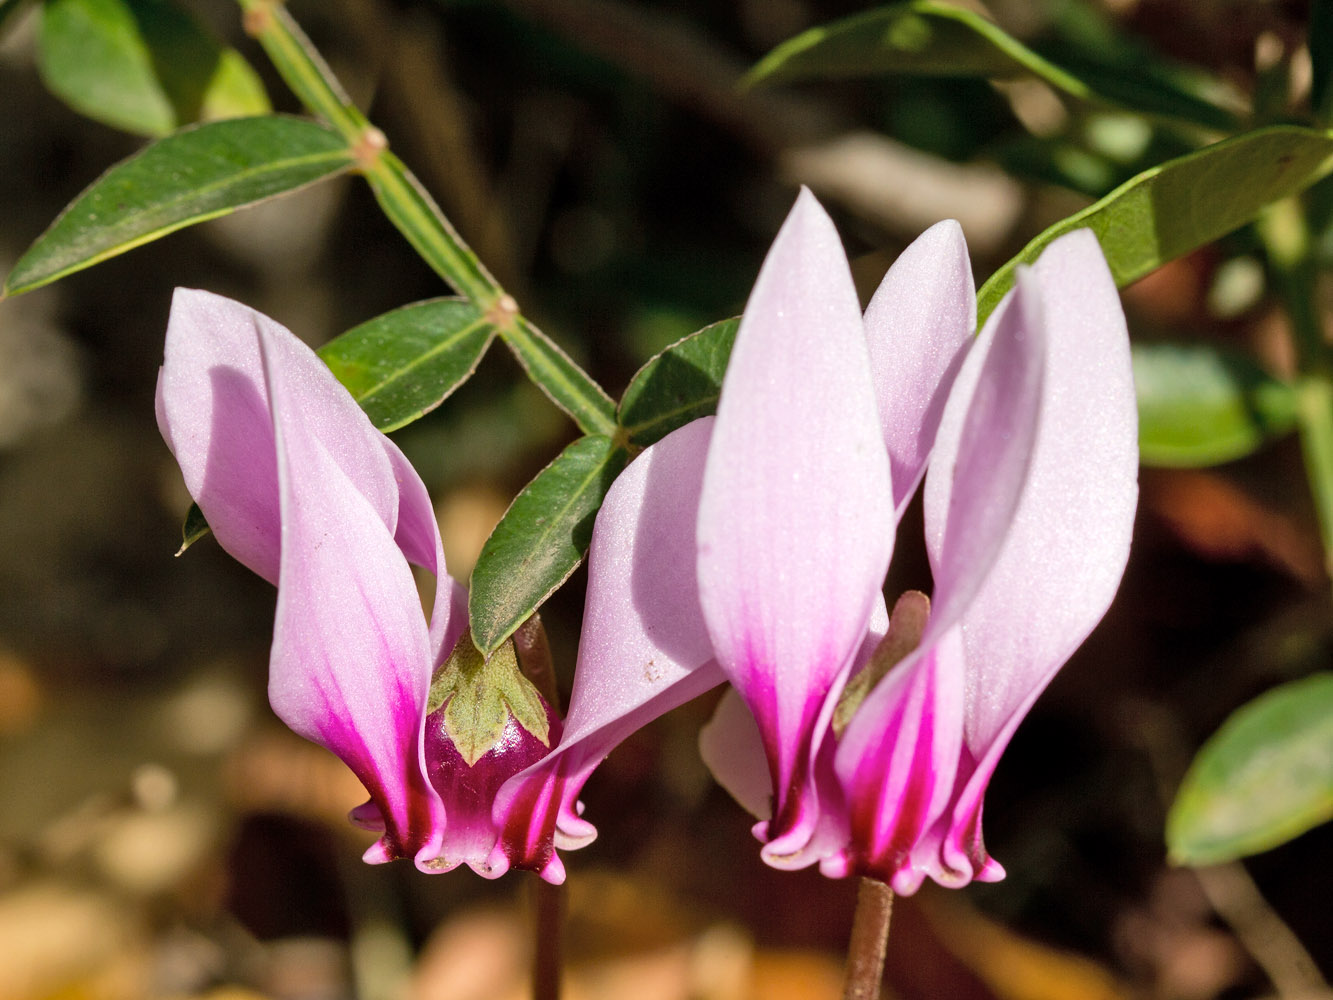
point(752, 547)
point(299, 486)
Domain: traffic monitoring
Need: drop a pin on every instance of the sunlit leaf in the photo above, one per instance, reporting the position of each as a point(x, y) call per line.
point(401, 365)
point(197, 174)
point(144, 66)
point(541, 539)
point(1201, 405)
point(1186, 203)
point(1264, 777)
point(679, 385)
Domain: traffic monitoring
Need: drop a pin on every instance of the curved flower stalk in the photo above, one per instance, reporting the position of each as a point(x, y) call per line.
point(297, 485)
point(752, 547)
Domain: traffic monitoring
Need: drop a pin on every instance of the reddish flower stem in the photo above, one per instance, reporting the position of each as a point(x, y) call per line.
point(549, 907)
point(870, 939)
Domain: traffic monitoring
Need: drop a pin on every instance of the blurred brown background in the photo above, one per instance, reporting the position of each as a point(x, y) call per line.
point(163, 836)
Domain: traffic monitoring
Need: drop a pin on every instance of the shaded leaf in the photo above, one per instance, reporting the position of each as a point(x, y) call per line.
point(401, 365)
point(1201, 405)
point(924, 37)
point(1186, 203)
point(541, 539)
point(680, 384)
point(1263, 778)
point(143, 66)
point(197, 174)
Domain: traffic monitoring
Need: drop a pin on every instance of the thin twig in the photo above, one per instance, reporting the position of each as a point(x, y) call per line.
point(870, 940)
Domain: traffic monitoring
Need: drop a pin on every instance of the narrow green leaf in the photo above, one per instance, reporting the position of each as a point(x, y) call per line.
point(1184, 204)
point(680, 384)
point(1201, 405)
point(928, 38)
point(541, 539)
point(401, 365)
point(555, 373)
point(1263, 778)
point(194, 175)
point(143, 66)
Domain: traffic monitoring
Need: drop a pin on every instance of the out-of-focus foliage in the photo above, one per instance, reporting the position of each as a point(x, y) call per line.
point(145, 66)
point(1200, 404)
point(1264, 777)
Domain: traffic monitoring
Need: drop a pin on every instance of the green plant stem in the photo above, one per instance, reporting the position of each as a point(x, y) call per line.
point(1315, 415)
point(870, 940)
point(407, 204)
point(1286, 237)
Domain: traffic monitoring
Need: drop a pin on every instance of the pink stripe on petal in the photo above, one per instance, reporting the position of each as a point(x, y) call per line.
point(796, 515)
point(897, 760)
point(351, 663)
point(919, 326)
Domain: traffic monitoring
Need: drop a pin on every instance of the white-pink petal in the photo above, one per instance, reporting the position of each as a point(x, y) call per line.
point(919, 325)
point(795, 521)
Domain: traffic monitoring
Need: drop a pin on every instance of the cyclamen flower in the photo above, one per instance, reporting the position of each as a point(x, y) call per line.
point(299, 486)
point(753, 546)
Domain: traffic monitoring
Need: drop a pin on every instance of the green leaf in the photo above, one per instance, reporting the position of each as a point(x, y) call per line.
point(1265, 777)
point(197, 174)
point(1201, 405)
point(143, 66)
point(1184, 204)
point(927, 38)
point(564, 382)
point(680, 384)
point(541, 539)
point(401, 365)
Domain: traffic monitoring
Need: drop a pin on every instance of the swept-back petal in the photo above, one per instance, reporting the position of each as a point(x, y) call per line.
point(795, 520)
point(643, 651)
point(1061, 560)
point(214, 412)
point(418, 536)
point(351, 659)
point(983, 456)
point(919, 325)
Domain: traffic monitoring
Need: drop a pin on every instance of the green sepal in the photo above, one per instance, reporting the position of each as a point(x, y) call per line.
point(480, 694)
